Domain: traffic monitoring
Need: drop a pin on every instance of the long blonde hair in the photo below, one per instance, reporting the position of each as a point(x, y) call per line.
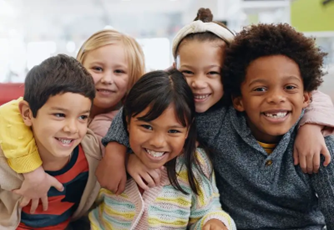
point(133, 51)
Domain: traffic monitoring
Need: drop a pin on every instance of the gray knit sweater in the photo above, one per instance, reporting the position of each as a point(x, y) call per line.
point(258, 195)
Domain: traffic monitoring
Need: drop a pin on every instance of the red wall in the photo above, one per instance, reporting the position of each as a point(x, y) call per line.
point(10, 91)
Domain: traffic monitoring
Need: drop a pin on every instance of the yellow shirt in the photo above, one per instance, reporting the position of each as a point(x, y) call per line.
point(17, 140)
point(269, 148)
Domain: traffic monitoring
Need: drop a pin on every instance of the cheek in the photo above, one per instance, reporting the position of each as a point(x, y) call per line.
point(95, 76)
point(122, 83)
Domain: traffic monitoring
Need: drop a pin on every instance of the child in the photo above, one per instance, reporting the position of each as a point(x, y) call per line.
point(198, 50)
point(115, 62)
point(159, 112)
point(270, 71)
point(58, 96)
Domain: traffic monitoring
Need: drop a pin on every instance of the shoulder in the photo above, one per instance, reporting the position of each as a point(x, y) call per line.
point(329, 140)
point(91, 145)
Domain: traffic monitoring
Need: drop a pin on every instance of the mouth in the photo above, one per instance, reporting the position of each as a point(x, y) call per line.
point(201, 97)
point(277, 115)
point(65, 141)
point(105, 91)
point(155, 154)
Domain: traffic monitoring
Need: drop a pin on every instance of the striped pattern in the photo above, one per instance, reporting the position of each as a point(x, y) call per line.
point(162, 207)
point(269, 148)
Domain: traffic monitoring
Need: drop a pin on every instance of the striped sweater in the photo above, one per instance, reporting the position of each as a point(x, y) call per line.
point(162, 207)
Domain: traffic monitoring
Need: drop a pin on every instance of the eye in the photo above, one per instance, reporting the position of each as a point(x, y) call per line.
point(260, 89)
point(174, 131)
point(83, 117)
point(97, 69)
point(148, 127)
point(187, 72)
point(214, 73)
point(290, 87)
point(119, 71)
point(59, 115)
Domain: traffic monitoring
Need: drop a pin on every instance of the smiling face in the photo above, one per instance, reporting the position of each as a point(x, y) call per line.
point(158, 141)
point(60, 125)
point(272, 96)
point(201, 63)
point(109, 67)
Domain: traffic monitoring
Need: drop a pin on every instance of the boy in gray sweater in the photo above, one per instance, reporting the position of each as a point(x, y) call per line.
point(269, 72)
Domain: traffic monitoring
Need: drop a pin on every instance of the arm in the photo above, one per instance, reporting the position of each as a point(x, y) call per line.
point(17, 140)
point(113, 161)
point(323, 185)
point(206, 205)
point(318, 120)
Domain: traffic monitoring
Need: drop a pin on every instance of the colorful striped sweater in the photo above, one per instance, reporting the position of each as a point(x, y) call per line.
point(162, 207)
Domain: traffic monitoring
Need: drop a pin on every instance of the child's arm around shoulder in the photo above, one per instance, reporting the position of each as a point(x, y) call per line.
point(113, 162)
point(318, 120)
point(323, 185)
point(206, 211)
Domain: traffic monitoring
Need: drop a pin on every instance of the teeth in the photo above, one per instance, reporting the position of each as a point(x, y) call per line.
point(201, 96)
point(276, 115)
point(65, 141)
point(154, 153)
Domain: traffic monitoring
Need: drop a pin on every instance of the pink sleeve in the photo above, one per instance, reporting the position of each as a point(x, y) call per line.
point(100, 125)
point(320, 112)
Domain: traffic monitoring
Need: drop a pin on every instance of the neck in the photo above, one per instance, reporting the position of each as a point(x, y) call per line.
point(51, 163)
point(261, 136)
point(96, 110)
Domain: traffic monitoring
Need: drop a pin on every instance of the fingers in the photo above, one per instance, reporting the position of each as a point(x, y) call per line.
point(309, 164)
point(155, 175)
point(55, 183)
point(34, 205)
point(316, 163)
point(24, 202)
point(295, 156)
point(148, 179)
point(325, 152)
point(140, 182)
point(45, 203)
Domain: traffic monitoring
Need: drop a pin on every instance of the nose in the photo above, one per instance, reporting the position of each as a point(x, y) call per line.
point(71, 126)
point(107, 78)
point(158, 140)
point(198, 81)
point(276, 96)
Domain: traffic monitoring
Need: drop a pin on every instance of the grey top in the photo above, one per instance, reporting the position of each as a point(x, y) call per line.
point(256, 194)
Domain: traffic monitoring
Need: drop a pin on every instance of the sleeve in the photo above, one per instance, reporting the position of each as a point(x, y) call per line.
point(206, 205)
point(323, 185)
point(17, 140)
point(321, 112)
point(117, 131)
point(209, 124)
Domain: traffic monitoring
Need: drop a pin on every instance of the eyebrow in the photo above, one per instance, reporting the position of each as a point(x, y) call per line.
point(171, 127)
point(66, 110)
point(291, 77)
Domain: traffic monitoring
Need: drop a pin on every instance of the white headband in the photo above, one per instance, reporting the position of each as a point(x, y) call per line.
point(200, 27)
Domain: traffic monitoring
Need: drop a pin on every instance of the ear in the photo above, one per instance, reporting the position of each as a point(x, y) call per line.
point(25, 112)
point(307, 99)
point(238, 103)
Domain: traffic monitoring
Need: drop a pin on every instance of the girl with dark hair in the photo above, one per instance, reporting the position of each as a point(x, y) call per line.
point(159, 115)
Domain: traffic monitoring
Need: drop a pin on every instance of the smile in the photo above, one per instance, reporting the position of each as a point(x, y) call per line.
point(276, 115)
point(155, 154)
point(64, 141)
point(201, 97)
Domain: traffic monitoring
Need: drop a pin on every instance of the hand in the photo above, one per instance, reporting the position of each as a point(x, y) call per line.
point(309, 144)
point(110, 171)
point(214, 224)
point(35, 186)
point(143, 176)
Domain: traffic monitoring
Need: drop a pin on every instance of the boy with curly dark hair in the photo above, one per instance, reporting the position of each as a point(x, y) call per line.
point(270, 71)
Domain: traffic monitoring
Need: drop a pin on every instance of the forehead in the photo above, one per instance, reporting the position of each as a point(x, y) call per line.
point(192, 49)
point(272, 67)
point(72, 102)
point(109, 53)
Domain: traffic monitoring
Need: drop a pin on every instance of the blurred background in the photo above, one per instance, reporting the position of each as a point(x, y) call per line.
point(33, 30)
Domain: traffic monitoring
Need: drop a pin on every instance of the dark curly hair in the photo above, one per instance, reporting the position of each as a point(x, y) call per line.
point(265, 40)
